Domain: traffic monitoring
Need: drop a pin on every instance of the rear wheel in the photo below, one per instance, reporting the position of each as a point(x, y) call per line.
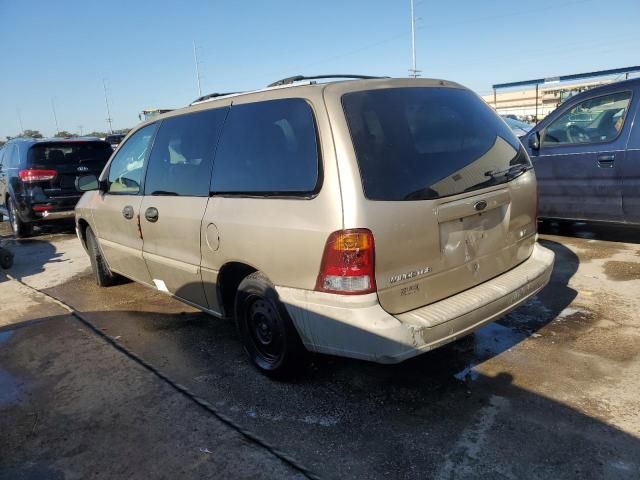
point(104, 277)
point(20, 229)
point(266, 331)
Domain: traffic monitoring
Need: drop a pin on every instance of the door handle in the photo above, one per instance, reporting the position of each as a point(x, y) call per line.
point(151, 214)
point(127, 212)
point(606, 161)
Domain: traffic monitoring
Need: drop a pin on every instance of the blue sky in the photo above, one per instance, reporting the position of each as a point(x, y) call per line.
point(62, 50)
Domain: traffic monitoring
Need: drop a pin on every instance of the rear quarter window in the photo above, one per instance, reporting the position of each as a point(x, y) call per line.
point(424, 143)
point(268, 148)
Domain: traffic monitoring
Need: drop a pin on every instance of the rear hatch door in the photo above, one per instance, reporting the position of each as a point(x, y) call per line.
point(450, 194)
point(68, 159)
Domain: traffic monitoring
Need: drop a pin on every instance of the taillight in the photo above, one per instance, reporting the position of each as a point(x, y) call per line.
point(34, 175)
point(348, 263)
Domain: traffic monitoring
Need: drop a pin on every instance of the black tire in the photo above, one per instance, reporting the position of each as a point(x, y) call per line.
point(103, 276)
point(6, 258)
point(265, 328)
point(20, 229)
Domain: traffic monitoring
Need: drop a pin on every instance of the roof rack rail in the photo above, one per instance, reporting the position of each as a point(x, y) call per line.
point(212, 95)
point(299, 78)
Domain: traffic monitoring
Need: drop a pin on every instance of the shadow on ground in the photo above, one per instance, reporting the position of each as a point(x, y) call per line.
point(32, 253)
point(592, 231)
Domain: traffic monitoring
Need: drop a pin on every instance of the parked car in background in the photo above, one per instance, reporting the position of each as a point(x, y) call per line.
point(37, 178)
point(518, 127)
point(115, 139)
point(373, 218)
point(586, 156)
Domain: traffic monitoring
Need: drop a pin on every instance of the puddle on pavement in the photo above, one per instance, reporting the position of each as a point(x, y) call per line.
point(4, 336)
point(622, 271)
point(9, 390)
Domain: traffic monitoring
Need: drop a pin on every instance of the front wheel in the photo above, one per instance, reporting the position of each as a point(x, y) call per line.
point(267, 333)
point(103, 276)
point(20, 229)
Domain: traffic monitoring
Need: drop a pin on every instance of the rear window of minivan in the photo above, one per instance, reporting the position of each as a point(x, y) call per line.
point(422, 143)
point(47, 155)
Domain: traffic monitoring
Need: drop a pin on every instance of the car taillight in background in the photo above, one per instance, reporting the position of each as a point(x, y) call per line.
point(36, 175)
point(348, 263)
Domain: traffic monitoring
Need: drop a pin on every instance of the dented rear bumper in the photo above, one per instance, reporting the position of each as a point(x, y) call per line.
point(358, 327)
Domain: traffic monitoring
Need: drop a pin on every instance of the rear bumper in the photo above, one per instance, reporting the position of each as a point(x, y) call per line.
point(358, 327)
point(53, 208)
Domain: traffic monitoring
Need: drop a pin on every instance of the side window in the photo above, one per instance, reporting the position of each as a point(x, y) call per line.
point(182, 155)
point(125, 171)
point(595, 120)
point(268, 147)
point(9, 159)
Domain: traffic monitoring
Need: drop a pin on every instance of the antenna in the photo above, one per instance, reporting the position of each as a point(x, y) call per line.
point(106, 101)
point(413, 71)
point(195, 58)
point(55, 117)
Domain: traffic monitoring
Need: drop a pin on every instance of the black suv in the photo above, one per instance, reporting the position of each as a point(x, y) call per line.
point(37, 178)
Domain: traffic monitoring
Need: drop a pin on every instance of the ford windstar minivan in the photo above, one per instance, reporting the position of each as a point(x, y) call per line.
point(370, 218)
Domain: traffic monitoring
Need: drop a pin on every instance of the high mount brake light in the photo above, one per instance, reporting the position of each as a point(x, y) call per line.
point(348, 263)
point(36, 175)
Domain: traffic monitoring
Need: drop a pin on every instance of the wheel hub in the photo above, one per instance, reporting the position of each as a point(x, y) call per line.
point(262, 321)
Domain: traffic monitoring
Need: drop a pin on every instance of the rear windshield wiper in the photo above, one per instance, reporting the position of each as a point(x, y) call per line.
point(511, 172)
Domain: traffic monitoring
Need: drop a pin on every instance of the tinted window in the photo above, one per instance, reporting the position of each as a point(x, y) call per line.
point(268, 147)
point(48, 155)
point(125, 171)
point(182, 155)
point(425, 143)
point(11, 158)
point(594, 120)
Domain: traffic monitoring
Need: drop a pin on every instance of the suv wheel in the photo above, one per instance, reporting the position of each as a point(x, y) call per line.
point(266, 331)
point(20, 228)
point(104, 277)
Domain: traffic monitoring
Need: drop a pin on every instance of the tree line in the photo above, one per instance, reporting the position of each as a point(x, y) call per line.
point(62, 134)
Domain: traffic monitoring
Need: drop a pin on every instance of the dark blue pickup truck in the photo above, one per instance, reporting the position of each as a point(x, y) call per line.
point(586, 156)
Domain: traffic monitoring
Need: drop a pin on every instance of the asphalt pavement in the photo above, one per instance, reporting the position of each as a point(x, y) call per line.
point(550, 391)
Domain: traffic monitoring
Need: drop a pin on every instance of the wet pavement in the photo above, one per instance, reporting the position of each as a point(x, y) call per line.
point(550, 391)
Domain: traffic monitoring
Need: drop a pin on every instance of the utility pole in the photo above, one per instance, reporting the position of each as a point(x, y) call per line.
point(55, 117)
point(106, 101)
point(80, 129)
point(413, 71)
point(195, 58)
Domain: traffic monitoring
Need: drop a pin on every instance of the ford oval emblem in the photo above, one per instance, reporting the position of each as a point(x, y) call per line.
point(481, 205)
point(83, 169)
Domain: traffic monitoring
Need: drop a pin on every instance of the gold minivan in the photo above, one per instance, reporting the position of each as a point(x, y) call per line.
point(369, 218)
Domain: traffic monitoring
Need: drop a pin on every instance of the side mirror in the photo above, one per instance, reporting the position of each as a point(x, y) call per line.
point(86, 183)
point(534, 141)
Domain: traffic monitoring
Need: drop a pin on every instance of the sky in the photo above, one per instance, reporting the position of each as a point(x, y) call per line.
point(61, 51)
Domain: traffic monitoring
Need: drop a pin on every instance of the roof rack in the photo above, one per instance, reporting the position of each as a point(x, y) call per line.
point(299, 78)
point(212, 95)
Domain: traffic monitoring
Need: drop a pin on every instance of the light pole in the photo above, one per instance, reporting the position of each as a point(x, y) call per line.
point(413, 71)
point(106, 101)
point(55, 117)
point(20, 122)
point(195, 59)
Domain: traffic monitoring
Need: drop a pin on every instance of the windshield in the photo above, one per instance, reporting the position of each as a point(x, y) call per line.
point(517, 124)
point(48, 155)
point(426, 143)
